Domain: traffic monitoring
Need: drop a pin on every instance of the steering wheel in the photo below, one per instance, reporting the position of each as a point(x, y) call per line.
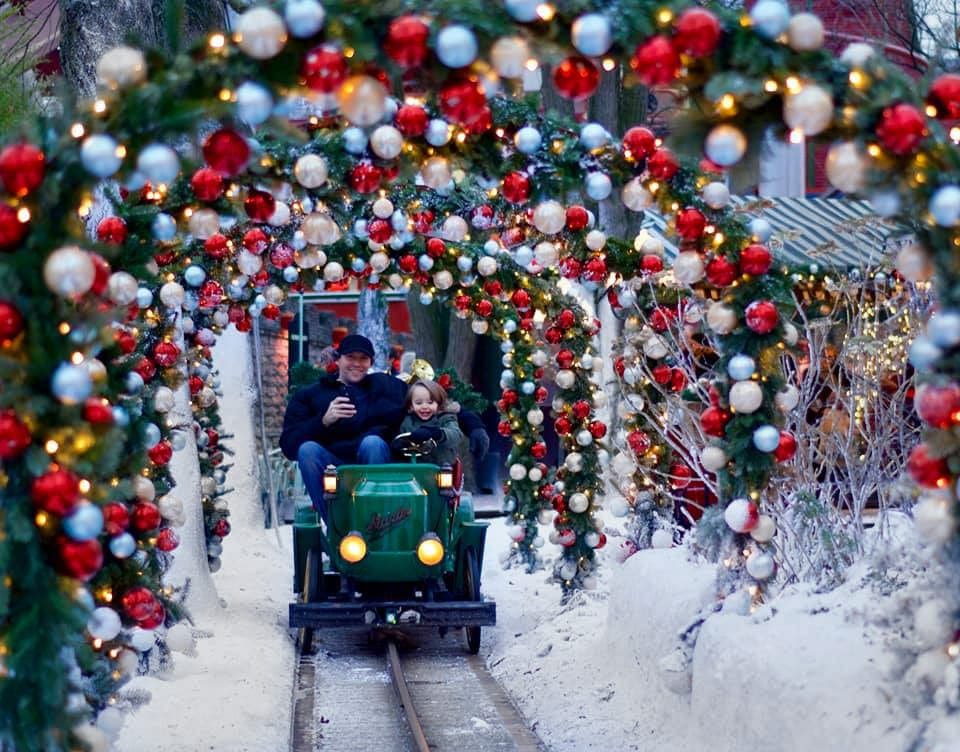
point(408, 447)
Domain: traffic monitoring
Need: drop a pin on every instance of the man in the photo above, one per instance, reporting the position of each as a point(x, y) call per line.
point(346, 417)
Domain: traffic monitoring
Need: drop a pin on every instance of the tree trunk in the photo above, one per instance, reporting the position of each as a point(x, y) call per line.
point(428, 336)
point(461, 348)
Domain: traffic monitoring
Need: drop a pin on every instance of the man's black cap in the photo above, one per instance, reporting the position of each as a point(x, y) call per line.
point(356, 343)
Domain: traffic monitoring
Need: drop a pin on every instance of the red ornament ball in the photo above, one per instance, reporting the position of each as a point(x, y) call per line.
point(22, 167)
point(697, 32)
point(761, 316)
point(407, 263)
point(639, 441)
point(116, 518)
point(510, 397)
point(97, 410)
point(282, 256)
point(125, 341)
point(662, 165)
point(595, 269)
point(690, 223)
point(462, 101)
point(462, 302)
point(256, 240)
point(566, 318)
point(565, 358)
point(259, 205)
point(577, 218)
point(516, 187)
point(145, 516)
point(937, 405)
point(101, 274)
point(14, 436)
point(146, 368)
point(562, 425)
point(436, 247)
point(660, 320)
point(211, 294)
point(112, 231)
point(520, 300)
point(553, 335)
point(221, 528)
point(226, 151)
point(713, 420)
point(540, 394)
point(380, 231)
point(12, 230)
point(570, 268)
point(598, 430)
point(580, 409)
point(680, 475)
point(411, 120)
point(56, 491)
point(406, 42)
point(484, 308)
point(156, 617)
point(576, 77)
point(755, 259)
point(926, 470)
point(503, 428)
point(944, 95)
point(662, 374)
point(216, 247)
point(213, 437)
point(323, 69)
point(166, 354)
point(721, 272)
point(79, 559)
point(901, 128)
point(167, 539)
point(639, 143)
point(493, 288)
point(11, 322)
point(650, 263)
point(207, 184)
point(365, 177)
point(160, 453)
point(786, 448)
point(138, 602)
point(656, 62)
point(538, 450)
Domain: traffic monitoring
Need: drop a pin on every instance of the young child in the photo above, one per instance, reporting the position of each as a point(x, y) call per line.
point(432, 416)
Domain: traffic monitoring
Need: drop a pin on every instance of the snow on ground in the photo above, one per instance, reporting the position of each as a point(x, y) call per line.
point(810, 671)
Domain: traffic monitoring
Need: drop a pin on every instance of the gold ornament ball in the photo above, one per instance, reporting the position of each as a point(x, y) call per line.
point(363, 100)
point(69, 271)
point(721, 318)
point(509, 56)
point(914, 263)
point(549, 217)
point(311, 170)
point(204, 223)
point(846, 167)
point(260, 33)
point(436, 173)
point(121, 67)
point(635, 196)
point(320, 229)
point(805, 32)
point(810, 109)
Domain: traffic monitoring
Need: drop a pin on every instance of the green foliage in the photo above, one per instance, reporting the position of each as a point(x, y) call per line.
point(17, 93)
point(303, 374)
point(460, 391)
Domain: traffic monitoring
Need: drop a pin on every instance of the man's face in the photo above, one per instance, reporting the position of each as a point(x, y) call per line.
point(353, 367)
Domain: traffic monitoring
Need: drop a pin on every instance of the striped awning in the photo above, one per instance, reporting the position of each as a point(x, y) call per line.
point(829, 232)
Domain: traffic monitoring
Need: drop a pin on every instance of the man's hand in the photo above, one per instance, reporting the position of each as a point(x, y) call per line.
point(423, 433)
point(340, 407)
point(479, 443)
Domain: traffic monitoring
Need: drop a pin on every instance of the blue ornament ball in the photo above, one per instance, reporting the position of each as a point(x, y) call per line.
point(354, 140)
point(924, 354)
point(304, 18)
point(426, 298)
point(254, 103)
point(438, 132)
point(121, 418)
point(144, 297)
point(151, 435)
point(761, 229)
point(133, 383)
point(522, 10)
point(159, 164)
point(71, 384)
point(194, 275)
point(527, 139)
point(509, 326)
point(598, 186)
point(123, 545)
point(528, 387)
point(593, 136)
point(164, 227)
point(523, 255)
point(741, 367)
point(770, 18)
point(766, 438)
point(591, 34)
point(456, 46)
point(945, 206)
point(508, 377)
point(84, 523)
point(425, 262)
point(99, 155)
point(104, 623)
point(358, 265)
point(943, 328)
point(464, 263)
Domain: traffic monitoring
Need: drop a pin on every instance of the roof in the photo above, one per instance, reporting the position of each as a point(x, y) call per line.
point(830, 232)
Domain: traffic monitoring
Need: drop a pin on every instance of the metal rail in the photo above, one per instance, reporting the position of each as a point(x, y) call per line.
point(403, 692)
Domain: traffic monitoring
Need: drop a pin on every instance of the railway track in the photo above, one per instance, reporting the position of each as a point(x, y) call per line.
point(362, 690)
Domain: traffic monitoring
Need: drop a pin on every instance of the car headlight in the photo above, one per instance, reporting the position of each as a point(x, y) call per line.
point(430, 549)
point(445, 478)
point(330, 480)
point(353, 547)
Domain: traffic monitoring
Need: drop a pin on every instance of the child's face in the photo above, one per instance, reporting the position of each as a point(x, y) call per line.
point(422, 404)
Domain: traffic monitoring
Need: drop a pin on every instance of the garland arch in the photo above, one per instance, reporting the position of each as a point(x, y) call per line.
point(85, 435)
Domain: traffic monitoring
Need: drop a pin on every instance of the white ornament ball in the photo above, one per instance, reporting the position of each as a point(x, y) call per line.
point(69, 271)
point(596, 240)
point(656, 347)
point(934, 519)
point(857, 54)
point(383, 208)
point(280, 216)
point(527, 139)
point(810, 109)
point(443, 280)
point(584, 437)
point(945, 206)
point(386, 142)
point(721, 318)
point(333, 272)
point(741, 515)
point(355, 140)
point(765, 530)
point(163, 399)
point(741, 367)
point(661, 538)
point(363, 100)
point(591, 34)
point(713, 458)
point(766, 438)
point(71, 384)
point(454, 229)
point(487, 266)
point(914, 263)
point(565, 378)
point(716, 195)
point(104, 623)
point(535, 417)
point(456, 46)
point(121, 67)
point(593, 136)
point(688, 267)
point(122, 288)
point(760, 565)
point(770, 18)
point(110, 720)
point(479, 326)
point(254, 103)
point(598, 186)
point(249, 263)
point(438, 132)
point(546, 254)
point(578, 503)
point(618, 506)
point(787, 398)
point(320, 229)
point(180, 638)
point(143, 488)
point(747, 397)
point(846, 167)
point(518, 471)
point(943, 328)
point(435, 172)
point(99, 155)
point(304, 17)
point(725, 145)
point(805, 32)
point(509, 56)
point(141, 639)
point(204, 223)
point(635, 196)
point(574, 462)
point(260, 33)
point(159, 164)
point(549, 217)
point(623, 463)
point(311, 170)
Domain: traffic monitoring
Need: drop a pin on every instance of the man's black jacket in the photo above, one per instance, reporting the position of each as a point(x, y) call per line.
point(379, 401)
